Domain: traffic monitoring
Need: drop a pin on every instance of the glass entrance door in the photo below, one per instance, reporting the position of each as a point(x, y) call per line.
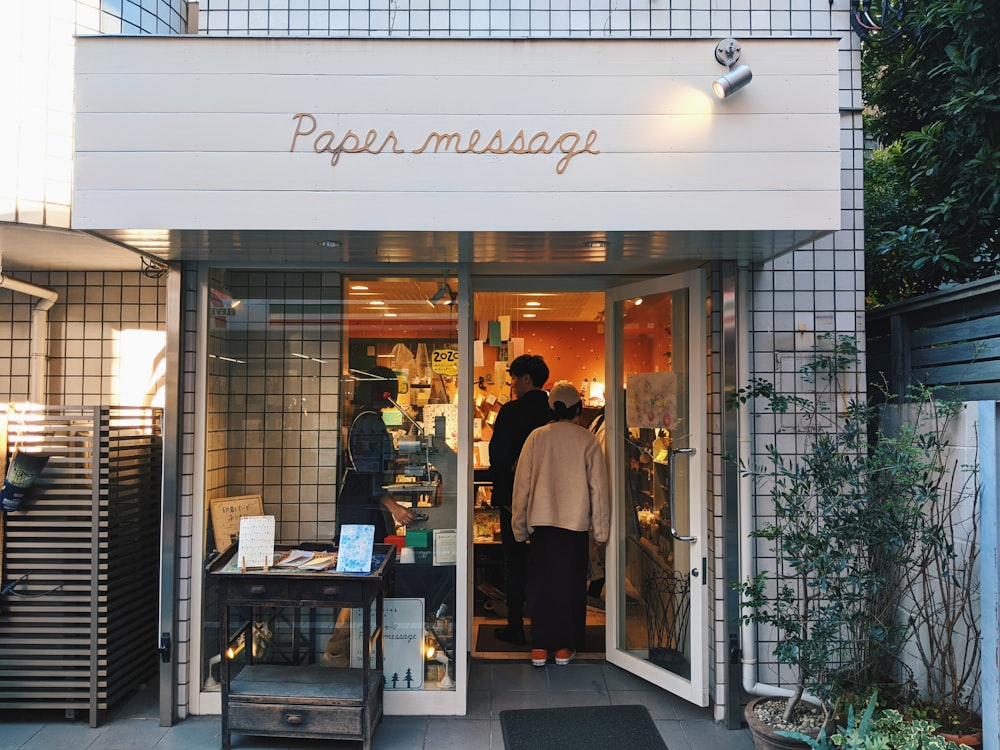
point(657, 625)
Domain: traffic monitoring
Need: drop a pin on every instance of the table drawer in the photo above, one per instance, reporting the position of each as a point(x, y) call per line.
point(258, 589)
point(294, 719)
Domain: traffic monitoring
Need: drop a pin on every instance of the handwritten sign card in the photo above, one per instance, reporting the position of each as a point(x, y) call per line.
point(226, 514)
point(256, 548)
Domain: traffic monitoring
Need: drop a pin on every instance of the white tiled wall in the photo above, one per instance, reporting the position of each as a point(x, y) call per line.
point(278, 412)
point(522, 18)
point(84, 324)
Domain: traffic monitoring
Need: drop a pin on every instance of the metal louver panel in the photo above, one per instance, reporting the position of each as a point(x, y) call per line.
point(79, 630)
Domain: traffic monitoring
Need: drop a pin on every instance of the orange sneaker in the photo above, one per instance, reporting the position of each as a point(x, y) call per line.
point(539, 656)
point(565, 656)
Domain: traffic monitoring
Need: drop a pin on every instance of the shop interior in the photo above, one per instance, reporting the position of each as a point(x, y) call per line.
point(296, 346)
point(567, 330)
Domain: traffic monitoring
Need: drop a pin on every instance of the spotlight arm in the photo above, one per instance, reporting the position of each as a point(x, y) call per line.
point(727, 52)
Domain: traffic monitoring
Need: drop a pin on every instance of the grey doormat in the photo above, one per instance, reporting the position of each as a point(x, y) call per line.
point(487, 641)
point(583, 728)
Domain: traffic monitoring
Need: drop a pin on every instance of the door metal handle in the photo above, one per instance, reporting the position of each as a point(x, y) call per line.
point(670, 494)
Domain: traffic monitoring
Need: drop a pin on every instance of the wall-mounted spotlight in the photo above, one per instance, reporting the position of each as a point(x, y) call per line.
point(727, 53)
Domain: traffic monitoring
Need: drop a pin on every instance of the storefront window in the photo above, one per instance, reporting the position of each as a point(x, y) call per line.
point(400, 428)
point(294, 360)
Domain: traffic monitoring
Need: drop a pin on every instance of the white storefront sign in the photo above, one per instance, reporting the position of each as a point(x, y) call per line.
point(294, 134)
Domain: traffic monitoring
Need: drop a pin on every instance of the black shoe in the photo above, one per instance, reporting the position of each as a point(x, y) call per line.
point(510, 635)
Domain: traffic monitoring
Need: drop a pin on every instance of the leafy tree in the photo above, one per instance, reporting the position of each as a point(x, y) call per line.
point(933, 108)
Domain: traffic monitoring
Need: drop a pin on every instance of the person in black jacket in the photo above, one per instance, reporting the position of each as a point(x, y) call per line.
point(515, 421)
point(371, 460)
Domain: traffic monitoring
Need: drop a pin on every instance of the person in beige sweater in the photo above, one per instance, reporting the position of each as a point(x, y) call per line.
point(560, 503)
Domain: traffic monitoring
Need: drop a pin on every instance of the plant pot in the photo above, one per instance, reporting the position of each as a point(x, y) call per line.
point(765, 737)
point(964, 727)
point(970, 739)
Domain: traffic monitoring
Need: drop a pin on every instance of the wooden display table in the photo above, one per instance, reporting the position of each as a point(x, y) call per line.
point(303, 701)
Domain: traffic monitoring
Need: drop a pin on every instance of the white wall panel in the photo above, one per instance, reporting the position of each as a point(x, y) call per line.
point(201, 131)
point(407, 173)
point(462, 211)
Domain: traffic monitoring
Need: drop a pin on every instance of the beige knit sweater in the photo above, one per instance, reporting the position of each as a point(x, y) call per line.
point(561, 480)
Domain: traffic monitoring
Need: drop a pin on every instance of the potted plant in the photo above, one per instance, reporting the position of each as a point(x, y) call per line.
point(847, 508)
point(880, 729)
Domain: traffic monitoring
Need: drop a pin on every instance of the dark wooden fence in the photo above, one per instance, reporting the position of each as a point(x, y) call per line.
point(949, 338)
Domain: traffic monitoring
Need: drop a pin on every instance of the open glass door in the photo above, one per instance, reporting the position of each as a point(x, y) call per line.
point(657, 625)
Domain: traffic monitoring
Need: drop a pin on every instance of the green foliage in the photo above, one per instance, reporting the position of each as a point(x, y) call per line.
point(848, 518)
point(933, 106)
point(880, 730)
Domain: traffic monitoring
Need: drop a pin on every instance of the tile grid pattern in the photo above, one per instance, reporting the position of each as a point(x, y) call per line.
point(188, 573)
point(517, 18)
point(83, 332)
point(277, 404)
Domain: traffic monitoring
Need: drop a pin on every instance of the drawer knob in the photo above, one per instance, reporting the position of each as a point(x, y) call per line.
point(331, 590)
point(294, 719)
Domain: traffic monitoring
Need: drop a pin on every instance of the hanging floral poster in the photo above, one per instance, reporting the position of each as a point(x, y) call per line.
point(651, 400)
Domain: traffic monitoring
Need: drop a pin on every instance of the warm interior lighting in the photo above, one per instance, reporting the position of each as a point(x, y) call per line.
point(596, 394)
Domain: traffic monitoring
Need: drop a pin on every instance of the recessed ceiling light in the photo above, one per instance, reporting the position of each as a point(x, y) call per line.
point(359, 288)
point(390, 315)
point(596, 243)
point(533, 303)
point(376, 302)
point(529, 315)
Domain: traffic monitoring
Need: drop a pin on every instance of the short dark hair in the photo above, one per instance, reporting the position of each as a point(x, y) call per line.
point(532, 365)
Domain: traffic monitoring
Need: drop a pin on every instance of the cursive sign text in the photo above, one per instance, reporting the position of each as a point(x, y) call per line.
point(570, 144)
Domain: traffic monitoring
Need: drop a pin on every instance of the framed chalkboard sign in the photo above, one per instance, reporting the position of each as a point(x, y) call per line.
point(226, 513)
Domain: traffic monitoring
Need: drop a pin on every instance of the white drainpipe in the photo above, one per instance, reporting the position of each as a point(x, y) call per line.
point(744, 449)
point(39, 333)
